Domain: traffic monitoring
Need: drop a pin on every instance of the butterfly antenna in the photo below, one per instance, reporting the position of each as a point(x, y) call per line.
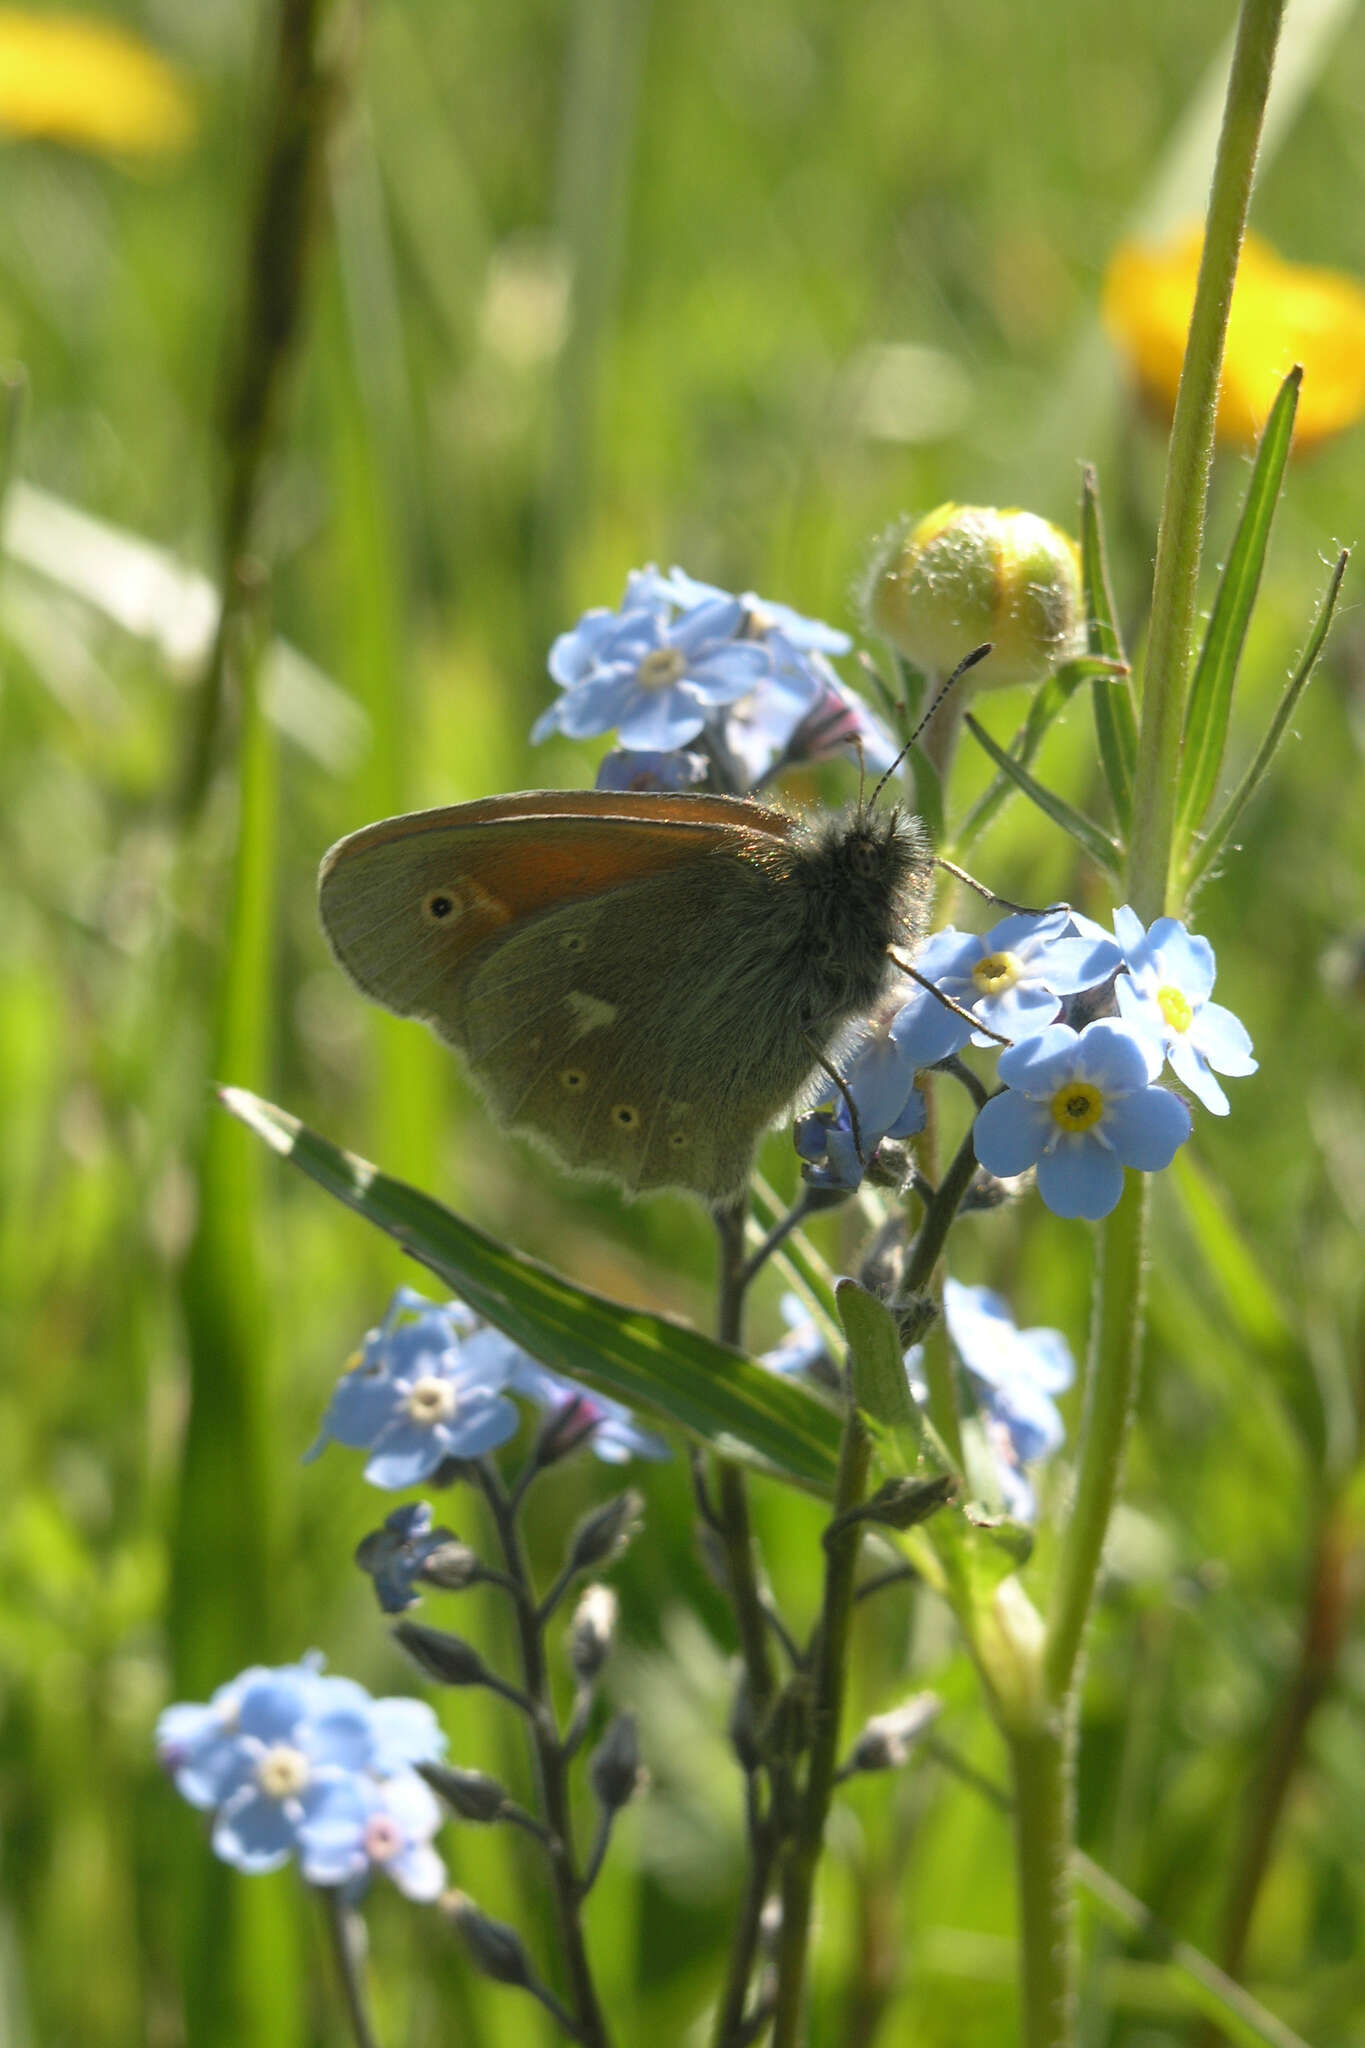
point(968, 661)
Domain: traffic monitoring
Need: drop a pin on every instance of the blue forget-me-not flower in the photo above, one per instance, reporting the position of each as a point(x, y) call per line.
point(1080, 1106)
point(1165, 994)
point(1014, 977)
point(426, 1387)
point(290, 1762)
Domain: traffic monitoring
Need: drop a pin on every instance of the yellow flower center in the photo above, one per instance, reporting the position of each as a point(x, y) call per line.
point(283, 1772)
point(660, 669)
point(432, 1401)
point(1077, 1106)
point(1175, 1008)
point(997, 972)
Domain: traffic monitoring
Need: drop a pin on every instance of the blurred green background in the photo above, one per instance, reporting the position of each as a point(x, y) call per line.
point(593, 285)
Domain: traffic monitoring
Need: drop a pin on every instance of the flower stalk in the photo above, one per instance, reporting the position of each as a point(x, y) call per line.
point(1044, 1763)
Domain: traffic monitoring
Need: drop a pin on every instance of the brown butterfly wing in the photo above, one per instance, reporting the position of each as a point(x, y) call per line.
point(405, 902)
point(541, 945)
point(636, 1033)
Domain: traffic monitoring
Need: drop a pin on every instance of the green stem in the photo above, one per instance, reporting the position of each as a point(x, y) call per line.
point(829, 1665)
point(551, 1768)
point(1042, 1759)
point(345, 1933)
point(924, 1256)
point(736, 1535)
point(1181, 532)
point(1110, 1386)
point(1042, 1845)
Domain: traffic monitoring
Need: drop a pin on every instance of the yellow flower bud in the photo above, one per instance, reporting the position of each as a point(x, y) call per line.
point(968, 573)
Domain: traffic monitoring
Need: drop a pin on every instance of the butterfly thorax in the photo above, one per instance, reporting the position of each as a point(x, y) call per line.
point(865, 888)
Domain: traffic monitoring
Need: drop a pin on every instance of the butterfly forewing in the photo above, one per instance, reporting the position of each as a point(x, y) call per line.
point(406, 902)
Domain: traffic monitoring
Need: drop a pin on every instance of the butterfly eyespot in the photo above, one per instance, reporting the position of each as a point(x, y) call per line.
point(678, 1141)
point(573, 942)
point(571, 1079)
point(438, 906)
point(625, 1116)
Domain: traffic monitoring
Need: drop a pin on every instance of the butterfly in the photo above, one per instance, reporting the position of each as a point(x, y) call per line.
point(643, 982)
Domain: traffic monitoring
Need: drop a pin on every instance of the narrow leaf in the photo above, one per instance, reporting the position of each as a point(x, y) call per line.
point(1210, 702)
point(1096, 842)
point(1206, 851)
point(880, 1385)
point(1049, 699)
point(631, 1354)
point(1115, 718)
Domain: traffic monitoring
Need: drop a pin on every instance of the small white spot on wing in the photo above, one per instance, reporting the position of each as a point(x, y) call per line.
point(589, 1013)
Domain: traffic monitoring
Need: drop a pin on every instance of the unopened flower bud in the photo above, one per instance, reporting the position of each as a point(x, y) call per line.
point(991, 1191)
point(614, 1766)
point(970, 573)
point(606, 1532)
point(494, 1948)
point(592, 1632)
point(914, 1314)
point(446, 1658)
point(744, 1730)
point(905, 1503)
point(470, 1795)
point(714, 1560)
point(887, 1740)
point(453, 1567)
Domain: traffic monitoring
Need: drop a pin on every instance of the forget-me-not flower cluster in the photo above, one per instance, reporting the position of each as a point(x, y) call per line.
point(295, 1764)
point(432, 1385)
point(1091, 1018)
point(699, 684)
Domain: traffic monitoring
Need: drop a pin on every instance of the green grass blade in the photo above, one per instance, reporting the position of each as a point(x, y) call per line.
point(1087, 834)
point(1115, 718)
point(1206, 851)
point(1210, 701)
point(1049, 699)
point(633, 1355)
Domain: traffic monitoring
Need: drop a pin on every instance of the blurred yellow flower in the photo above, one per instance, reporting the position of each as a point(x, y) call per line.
point(73, 79)
point(1282, 314)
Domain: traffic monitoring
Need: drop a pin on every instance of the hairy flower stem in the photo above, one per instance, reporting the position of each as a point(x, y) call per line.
point(736, 1535)
point(1043, 1756)
point(550, 1762)
point(1110, 1387)
point(829, 1663)
point(345, 1939)
point(1043, 1821)
point(1180, 534)
point(924, 1256)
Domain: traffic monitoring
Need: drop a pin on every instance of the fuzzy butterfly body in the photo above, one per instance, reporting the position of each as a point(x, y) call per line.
point(643, 982)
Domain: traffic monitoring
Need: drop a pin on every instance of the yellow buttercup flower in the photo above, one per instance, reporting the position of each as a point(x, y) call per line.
point(1282, 314)
point(73, 79)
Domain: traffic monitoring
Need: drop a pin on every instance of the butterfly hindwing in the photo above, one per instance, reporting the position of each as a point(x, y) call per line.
point(562, 1023)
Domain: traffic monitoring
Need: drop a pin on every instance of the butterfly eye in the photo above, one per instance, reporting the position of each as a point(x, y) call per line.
point(625, 1116)
point(438, 906)
point(571, 1079)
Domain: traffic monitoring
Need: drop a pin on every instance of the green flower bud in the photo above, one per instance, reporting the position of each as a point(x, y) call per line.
point(968, 573)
